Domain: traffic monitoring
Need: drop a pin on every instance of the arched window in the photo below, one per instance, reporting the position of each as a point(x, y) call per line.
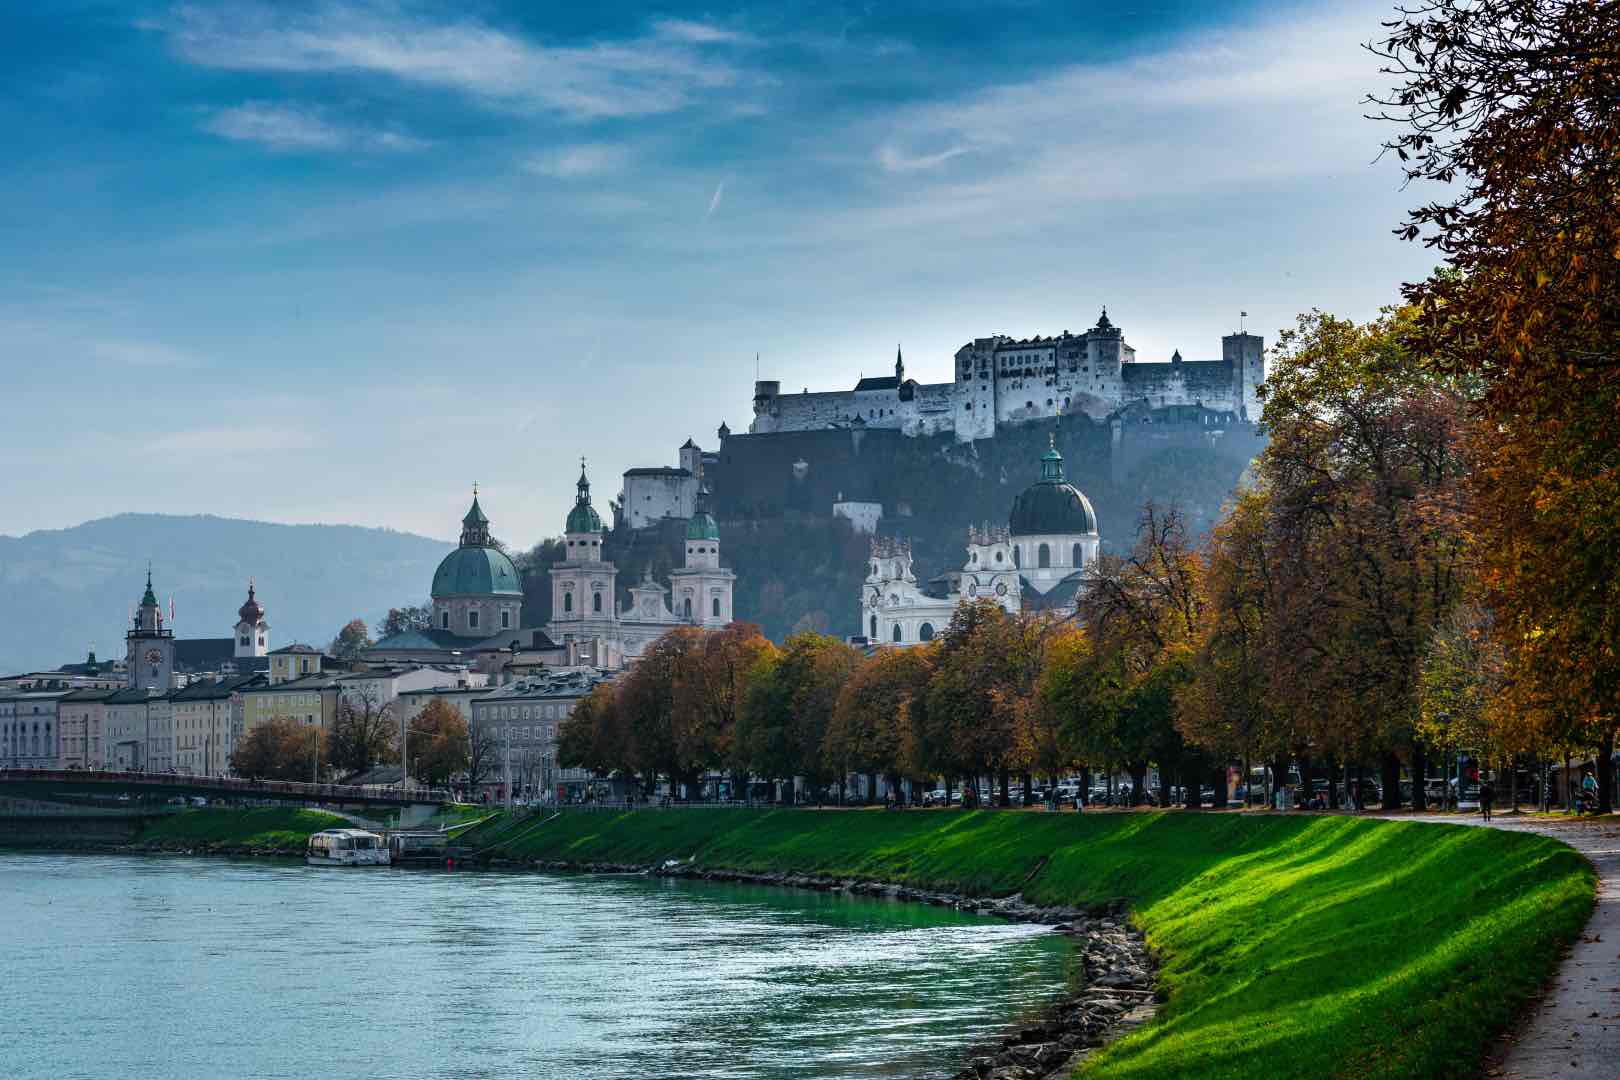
point(472, 618)
point(1077, 555)
point(874, 626)
point(897, 633)
point(686, 608)
point(596, 601)
point(1043, 557)
point(925, 632)
point(568, 601)
point(444, 620)
point(998, 556)
point(717, 607)
point(1018, 557)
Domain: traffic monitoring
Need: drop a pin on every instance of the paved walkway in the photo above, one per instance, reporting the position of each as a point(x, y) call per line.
point(1574, 1033)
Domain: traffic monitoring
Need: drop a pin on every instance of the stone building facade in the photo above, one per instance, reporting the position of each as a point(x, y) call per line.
point(522, 718)
point(1039, 561)
point(1003, 380)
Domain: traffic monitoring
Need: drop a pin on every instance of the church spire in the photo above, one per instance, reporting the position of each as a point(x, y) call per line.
point(475, 526)
point(899, 365)
point(583, 518)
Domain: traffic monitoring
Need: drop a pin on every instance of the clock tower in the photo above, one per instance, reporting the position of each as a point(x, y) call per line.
point(149, 645)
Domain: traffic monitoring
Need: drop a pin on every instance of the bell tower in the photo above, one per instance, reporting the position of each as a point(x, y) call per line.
point(701, 591)
point(252, 632)
point(149, 645)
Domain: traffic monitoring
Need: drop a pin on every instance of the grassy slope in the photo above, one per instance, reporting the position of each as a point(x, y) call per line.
point(282, 828)
point(1292, 946)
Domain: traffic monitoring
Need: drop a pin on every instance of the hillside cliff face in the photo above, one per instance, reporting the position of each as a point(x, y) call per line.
point(66, 589)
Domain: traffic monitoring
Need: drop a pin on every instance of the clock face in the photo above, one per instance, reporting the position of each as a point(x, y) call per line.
point(153, 656)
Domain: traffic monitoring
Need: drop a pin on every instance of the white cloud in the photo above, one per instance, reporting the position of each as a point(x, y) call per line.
point(575, 161)
point(894, 159)
point(234, 441)
point(655, 73)
point(714, 200)
point(143, 354)
point(292, 128)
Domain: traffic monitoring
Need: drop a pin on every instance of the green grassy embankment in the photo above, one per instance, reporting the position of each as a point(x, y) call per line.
point(1290, 946)
point(273, 828)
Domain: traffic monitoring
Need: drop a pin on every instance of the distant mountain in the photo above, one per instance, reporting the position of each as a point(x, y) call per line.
point(62, 590)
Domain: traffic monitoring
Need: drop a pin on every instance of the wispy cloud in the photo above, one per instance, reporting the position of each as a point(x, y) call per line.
point(660, 71)
point(714, 200)
point(292, 128)
point(144, 354)
point(575, 161)
point(893, 159)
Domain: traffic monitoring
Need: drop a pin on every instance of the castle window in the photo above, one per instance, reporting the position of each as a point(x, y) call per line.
point(925, 632)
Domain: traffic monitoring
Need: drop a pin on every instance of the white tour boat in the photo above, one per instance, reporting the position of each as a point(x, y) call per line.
point(347, 847)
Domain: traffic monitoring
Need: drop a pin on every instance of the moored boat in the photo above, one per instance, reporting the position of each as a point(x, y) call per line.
point(346, 847)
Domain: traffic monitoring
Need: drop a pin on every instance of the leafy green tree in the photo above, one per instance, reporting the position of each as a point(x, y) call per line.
point(869, 732)
point(402, 620)
point(788, 706)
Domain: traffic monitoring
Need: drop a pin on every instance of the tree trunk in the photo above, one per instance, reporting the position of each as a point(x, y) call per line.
point(1420, 772)
point(1004, 797)
point(1332, 788)
point(1569, 789)
point(1605, 773)
point(1513, 786)
point(1391, 781)
point(1192, 797)
point(1138, 773)
point(1028, 789)
point(1220, 789)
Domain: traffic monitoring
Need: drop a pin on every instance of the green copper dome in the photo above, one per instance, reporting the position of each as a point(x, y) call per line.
point(702, 525)
point(150, 599)
point(476, 571)
point(1051, 506)
point(583, 518)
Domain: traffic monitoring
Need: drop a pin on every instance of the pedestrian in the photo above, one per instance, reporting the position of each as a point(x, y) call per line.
point(1487, 796)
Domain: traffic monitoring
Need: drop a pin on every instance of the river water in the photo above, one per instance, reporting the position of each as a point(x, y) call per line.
point(146, 967)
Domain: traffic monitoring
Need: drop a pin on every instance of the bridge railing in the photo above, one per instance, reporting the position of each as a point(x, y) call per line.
point(230, 784)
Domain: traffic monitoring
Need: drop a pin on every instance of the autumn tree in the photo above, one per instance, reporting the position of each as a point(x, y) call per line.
point(436, 743)
point(1509, 107)
point(363, 733)
point(351, 640)
point(593, 735)
point(280, 748)
point(788, 705)
point(870, 728)
point(710, 680)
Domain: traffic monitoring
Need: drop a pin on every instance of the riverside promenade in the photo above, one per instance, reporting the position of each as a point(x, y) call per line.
point(1574, 1032)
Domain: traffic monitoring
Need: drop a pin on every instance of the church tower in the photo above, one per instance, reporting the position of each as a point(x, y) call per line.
point(583, 585)
point(149, 645)
point(702, 589)
point(252, 632)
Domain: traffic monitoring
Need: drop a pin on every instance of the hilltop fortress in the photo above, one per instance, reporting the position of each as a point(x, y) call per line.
point(1001, 380)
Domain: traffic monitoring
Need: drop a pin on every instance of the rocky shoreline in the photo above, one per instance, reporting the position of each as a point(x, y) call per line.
point(1117, 995)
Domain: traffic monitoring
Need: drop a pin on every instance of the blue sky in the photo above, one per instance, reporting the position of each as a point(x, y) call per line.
point(336, 261)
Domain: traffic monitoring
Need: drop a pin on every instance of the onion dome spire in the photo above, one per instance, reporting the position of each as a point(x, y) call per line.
point(475, 526)
point(583, 518)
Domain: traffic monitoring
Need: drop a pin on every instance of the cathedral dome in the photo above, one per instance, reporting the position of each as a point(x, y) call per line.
point(583, 518)
point(1051, 506)
point(476, 571)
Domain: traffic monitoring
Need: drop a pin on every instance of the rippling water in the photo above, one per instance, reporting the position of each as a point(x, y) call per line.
point(178, 967)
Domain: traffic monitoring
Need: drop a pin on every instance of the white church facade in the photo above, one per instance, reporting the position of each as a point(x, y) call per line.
point(1039, 562)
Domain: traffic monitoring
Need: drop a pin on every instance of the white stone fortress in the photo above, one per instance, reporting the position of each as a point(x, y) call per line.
point(1000, 380)
point(1039, 562)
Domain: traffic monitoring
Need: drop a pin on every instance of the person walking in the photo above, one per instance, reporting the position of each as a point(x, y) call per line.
point(1487, 796)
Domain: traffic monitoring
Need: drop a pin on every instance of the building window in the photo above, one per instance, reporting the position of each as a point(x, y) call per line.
point(472, 618)
point(897, 633)
point(1043, 557)
point(925, 632)
point(506, 620)
point(1018, 558)
point(874, 626)
point(444, 620)
point(596, 601)
point(686, 609)
point(717, 607)
point(1077, 555)
point(568, 601)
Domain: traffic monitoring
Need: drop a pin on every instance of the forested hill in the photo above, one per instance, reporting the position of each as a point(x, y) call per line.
point(799, 568)
point(64, 589)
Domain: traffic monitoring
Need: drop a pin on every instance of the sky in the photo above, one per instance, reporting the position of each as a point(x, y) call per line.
point(335, 262)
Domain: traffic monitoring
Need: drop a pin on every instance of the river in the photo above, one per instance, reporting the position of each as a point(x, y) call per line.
point(173, 967)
